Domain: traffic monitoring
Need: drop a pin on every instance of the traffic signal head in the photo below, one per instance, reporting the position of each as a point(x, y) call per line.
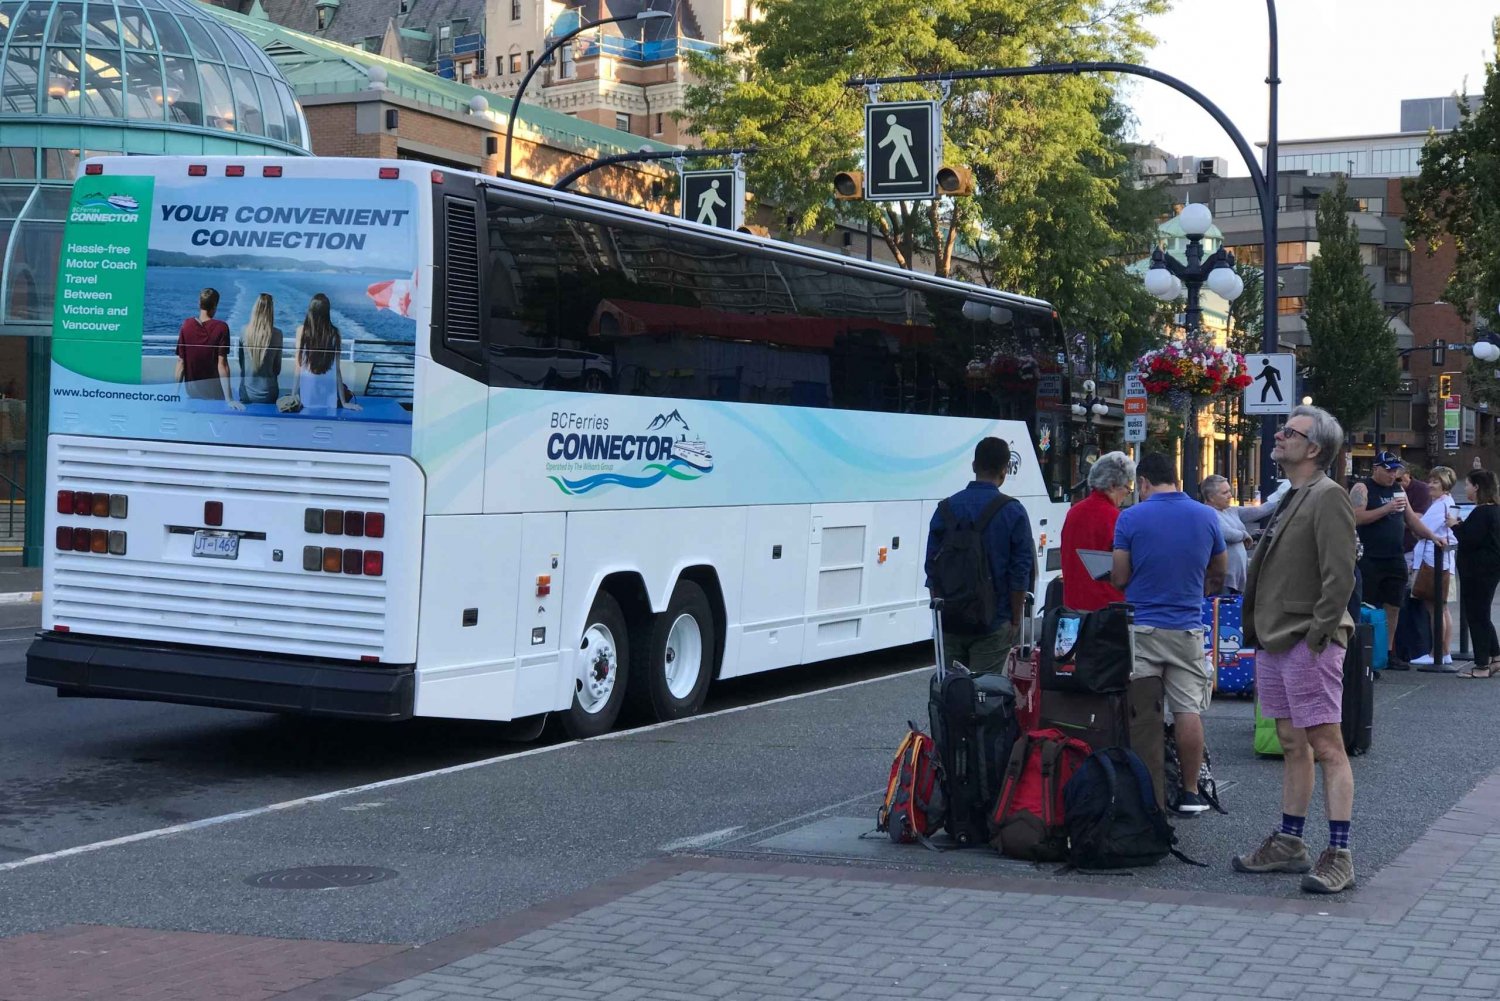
point(849, 186)
point(1445, 386)
point(955, 181)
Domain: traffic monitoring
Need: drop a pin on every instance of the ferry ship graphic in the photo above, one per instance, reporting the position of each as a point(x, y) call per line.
point(694, 453)
point(124, 203)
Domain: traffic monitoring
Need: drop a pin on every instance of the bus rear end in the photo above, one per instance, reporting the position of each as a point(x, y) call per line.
point(234, 516)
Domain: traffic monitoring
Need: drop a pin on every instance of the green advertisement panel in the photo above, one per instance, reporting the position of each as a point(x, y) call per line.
point(101, 283)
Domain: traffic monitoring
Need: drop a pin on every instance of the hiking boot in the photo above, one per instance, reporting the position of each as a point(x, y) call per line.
point(1191, 804)
point(1334, 872)
point(1278, 853)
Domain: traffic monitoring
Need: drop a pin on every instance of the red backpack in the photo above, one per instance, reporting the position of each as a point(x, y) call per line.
point(1027, 822)
point(913, 806)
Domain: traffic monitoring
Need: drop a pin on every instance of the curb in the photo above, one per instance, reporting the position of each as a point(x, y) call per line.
point(20, 597)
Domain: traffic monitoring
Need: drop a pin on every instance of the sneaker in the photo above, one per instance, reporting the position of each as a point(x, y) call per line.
point(1333, 873)
point(1447, 658)
point(1191, 804)
point(1278, 853)
point(1423, 661)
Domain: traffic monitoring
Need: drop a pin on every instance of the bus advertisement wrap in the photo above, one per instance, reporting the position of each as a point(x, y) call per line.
point(207, 311)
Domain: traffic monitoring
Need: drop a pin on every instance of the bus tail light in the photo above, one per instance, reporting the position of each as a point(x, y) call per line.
point(98, 540)
point(374, 525)
point(101, 505)
point(543, 585)
point(92, 169)
point(389, 173)
point(333, 522)
point(437, 177)
point(312, 557)
point(119, 505)
point(213, 513)
point(83, 502)
point(374, 563)
point(64, 538)
point(80, 540)
point(270, 171)
point(234, 170)
point(117, 543)
point(354, 561)
point(354, 523)
point(333, 560)
point(65, 502)
point(197, 170)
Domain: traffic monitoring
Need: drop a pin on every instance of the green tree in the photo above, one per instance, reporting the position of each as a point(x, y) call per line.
point(1053, 211)
point(1352, 358)
point(1456, 197)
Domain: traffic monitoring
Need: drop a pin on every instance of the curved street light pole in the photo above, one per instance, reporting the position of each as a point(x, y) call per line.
point(557, 43)
point(645, 156)
point(1264, 180)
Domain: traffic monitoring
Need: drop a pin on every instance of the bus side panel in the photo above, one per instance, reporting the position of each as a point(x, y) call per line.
point(773, 594)
point(838, 572)
point(538, 616)
point(895, 592)
point(448, 438)
point(469, 575)
point(659, 545)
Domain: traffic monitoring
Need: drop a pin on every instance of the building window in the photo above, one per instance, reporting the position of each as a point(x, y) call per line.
point(1397, 264)
point(1296, 253)
point(515, 62)
point(1398, 415)
point(569, 69)
point(445, 38)
point(530, 58)
point(322, 18)
point(622, 121)
point(499, 65)
point(1291, 305)
point(466, 71)
point(515, 10)
point(405, 6)
point(658, 124)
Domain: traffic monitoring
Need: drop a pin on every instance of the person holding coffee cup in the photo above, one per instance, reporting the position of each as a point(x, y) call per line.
point(1382, 514)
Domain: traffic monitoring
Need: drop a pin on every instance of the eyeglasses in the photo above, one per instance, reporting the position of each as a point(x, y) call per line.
point(1286, 431)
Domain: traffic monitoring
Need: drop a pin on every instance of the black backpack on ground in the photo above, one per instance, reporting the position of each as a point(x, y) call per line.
point(1113, 821)
point(974, 726)
point(959, 572)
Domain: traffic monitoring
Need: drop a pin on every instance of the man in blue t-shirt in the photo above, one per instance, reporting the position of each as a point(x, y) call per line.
point(1169, 554)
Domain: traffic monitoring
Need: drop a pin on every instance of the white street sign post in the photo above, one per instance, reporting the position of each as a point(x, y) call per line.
point(1135, 408)
point(1274, 389)
point(903, 150)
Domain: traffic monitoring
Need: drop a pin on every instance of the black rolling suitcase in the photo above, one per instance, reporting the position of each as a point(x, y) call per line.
point(974, 725)
point(1359, 690)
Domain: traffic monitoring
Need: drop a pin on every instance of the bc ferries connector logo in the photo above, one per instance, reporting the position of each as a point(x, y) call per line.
point(99, 207)
point(583, 444)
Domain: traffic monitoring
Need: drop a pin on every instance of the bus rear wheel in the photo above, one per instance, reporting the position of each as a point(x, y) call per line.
point(604, 658)
point(673, 667)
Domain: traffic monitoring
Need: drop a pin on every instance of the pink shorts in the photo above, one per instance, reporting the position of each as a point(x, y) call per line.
point(1301, 686)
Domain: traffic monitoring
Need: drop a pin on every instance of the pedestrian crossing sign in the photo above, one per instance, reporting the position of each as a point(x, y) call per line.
point(903, 150)
point(713, 197)
point(1273, 389)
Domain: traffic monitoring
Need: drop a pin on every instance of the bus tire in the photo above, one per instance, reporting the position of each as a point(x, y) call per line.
point(673, 667)
point(604, 658)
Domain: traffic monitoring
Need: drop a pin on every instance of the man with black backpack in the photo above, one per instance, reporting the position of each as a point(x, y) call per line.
point(980, 563)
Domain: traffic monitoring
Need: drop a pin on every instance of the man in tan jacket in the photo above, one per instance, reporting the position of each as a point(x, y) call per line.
point(1296, 616)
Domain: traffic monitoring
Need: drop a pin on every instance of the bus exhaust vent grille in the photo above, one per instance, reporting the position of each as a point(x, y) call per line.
point(461, 271)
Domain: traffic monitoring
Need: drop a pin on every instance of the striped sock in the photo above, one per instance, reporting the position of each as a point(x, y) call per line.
point(1292, 825)
point(1338, 834)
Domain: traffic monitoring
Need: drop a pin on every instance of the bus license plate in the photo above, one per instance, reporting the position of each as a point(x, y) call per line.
point(216, 545)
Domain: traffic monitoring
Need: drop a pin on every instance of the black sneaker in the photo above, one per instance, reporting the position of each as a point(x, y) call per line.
point(1191, 804)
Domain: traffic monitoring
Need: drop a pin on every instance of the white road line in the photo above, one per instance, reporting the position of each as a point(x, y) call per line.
point(291, 804)
point(698, 840)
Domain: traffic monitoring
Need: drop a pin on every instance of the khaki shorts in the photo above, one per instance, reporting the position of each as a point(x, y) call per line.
point(1176, 657)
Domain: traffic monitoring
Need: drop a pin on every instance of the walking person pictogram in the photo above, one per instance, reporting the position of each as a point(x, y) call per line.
point(708, 203)
point(899, 139)
point(1271, 379)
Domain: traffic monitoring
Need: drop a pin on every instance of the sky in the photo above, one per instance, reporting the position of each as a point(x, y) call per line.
point(1345, 67)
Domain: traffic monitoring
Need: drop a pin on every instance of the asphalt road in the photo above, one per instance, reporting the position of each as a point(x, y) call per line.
point(78, 771)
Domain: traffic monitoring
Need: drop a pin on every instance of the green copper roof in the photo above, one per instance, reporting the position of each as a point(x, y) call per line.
point(315, 66)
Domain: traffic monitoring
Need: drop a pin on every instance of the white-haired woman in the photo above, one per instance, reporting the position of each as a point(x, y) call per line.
point(1090, 524)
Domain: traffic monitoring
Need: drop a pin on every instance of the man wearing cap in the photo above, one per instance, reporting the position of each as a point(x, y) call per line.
point(1382, 515)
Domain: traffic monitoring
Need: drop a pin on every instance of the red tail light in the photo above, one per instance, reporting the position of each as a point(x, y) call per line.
point(437, 177)
point(543, 585)
point(270, 172)
point(61, 629)
point(93, 168)
point(374, 563)
point(213, 512)
point(374, 525)
point(83, 502)
point(389, 173)
point(65, 538)
point(197, 170)
point(333, 560)
point(354, 523)
point(98, 541)
point(234, 170)
point(80, 540)
point(353, 561)
point(65, 502)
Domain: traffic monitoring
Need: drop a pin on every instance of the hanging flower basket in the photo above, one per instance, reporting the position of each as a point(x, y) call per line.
point(1195, 369)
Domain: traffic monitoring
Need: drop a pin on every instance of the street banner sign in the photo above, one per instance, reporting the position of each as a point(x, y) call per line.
point(1452, 420)
point(903, 150)
point(1274, 388)
point(713, 197)
point(1135, 408)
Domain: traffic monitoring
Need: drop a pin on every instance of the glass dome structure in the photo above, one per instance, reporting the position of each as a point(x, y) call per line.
point(82, 78)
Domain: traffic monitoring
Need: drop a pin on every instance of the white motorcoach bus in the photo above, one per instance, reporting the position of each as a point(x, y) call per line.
point(371, 439)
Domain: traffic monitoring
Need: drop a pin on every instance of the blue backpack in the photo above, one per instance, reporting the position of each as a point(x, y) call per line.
point(1113, 821)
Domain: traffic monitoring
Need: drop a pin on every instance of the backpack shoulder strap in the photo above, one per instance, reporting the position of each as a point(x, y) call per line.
point(1052, 752)
point(1013, 768)
point(946, 512)
point(990, 510)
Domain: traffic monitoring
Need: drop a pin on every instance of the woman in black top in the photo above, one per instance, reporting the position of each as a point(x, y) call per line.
point(1479, 570)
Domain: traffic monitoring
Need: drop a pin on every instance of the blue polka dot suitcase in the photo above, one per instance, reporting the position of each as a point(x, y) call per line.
point(1233, 662)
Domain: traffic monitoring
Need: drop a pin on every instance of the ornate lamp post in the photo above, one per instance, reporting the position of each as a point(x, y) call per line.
point(1168, 278)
